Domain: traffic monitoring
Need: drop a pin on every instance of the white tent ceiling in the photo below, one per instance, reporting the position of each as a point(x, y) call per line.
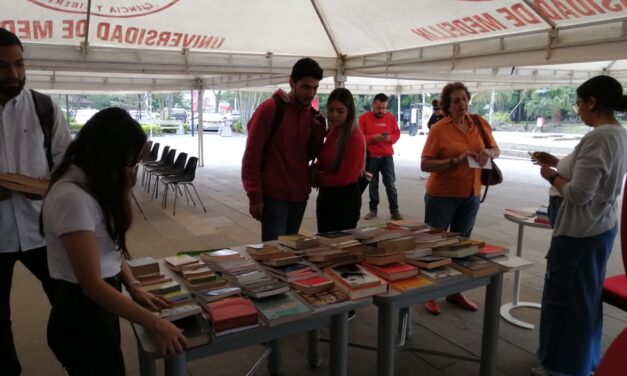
point(409, 45)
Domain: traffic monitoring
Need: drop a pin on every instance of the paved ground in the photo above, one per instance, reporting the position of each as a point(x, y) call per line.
point(227, 223)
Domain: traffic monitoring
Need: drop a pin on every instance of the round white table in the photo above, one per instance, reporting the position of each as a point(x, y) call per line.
point(516, 303)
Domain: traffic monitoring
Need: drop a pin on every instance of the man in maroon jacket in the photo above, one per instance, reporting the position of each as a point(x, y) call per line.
point(381, 132)
point(284, 134)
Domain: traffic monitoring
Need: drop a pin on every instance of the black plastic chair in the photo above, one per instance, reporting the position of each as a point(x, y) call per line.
point(147, 151)
point(185, 179)
point(153, 163)
point(176, 169)
point(167, 163)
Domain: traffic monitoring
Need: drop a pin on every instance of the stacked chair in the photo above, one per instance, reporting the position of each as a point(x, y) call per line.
point(153, 161)
point(176, 169)
point(185, 179)
point(167, 162)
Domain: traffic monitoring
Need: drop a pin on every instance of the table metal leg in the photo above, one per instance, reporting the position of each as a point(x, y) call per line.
point(516, 303)
point(147, 365)
point(385, 340)
point(176, 365)
point(489, 340)
point(274, 360)
point(339, 345)
point(313, 348)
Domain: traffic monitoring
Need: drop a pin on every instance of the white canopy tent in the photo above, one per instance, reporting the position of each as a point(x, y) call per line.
point(410, 46)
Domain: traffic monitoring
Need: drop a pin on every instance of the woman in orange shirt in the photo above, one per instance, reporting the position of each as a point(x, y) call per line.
point(453, 188)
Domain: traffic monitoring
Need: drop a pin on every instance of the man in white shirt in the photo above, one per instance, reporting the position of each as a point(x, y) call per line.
point(22, 151)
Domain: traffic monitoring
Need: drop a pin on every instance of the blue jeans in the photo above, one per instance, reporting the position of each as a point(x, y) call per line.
point(452, 213)
point(554, 207)
point(280, 218)
point(385, 165)
point(571, 318)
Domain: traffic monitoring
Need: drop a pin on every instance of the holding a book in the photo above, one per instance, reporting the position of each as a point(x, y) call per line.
point(86, 215)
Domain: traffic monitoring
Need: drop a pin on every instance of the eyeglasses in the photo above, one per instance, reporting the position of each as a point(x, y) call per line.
point(576, 106)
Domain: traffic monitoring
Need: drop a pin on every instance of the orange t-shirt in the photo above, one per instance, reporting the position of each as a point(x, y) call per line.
point(446, 141)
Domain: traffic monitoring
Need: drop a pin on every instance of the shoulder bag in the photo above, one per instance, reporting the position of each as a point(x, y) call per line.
point(492, 176)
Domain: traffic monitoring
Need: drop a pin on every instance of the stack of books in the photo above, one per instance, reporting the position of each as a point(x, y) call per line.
point(231, 315)
point(428, 262)
point(146, 270)
point(212, 295)
point(407, 224)
point(460, 249)
point(474, 266)
point(201, 279)
point(394, 271)
point(274, 256)
point(243, 272)
point(281, 308)
point(443, 273)
point(291, 272)
point(179, 263)
point(400, 244)
point(542, 215)
point(313, 285)
point(298, 241)
point(323, 300)
point(355, 281)
point(490, 251)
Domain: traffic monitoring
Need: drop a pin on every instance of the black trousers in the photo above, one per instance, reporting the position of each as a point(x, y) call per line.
point(337, 208)
point(35, 261)
point(83, 336)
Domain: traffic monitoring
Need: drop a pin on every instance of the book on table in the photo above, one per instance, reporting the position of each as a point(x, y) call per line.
point(163, 288)
point(442, 273)
point(265, 288)
point(220, 255)
point(280, 308)
point(261, 248)
point(394, 271)
point(474, 266)
point(283, 259)
point(180, 311)
point(144, 266)
point(211, 295)
point(462, 249)
point(353, 275)
point(299, 241)
point(313, 285)
point(323, 300)
point(153, 279)
point(24, 184)
point(508, 263)
point(196, 329)
point(401, 244)
point(179, 297)
point(408, 224)
point(180, 263)
point(407, 284)
point(491, 250)
point(355, 281)
point(231, 312)
point(520, 213)
point(385, 258)
point(428, 262)
point(334, 237)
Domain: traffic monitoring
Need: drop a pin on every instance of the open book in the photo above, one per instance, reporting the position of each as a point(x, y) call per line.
point(24, 184)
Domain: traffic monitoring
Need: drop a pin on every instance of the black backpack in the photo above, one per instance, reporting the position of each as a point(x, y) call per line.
point(45, 114)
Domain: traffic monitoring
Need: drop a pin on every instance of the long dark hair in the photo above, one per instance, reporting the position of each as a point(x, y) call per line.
point(105, 149)
point(345, 97)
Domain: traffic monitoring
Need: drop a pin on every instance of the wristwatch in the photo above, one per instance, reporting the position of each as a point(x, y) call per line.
point(551, 178)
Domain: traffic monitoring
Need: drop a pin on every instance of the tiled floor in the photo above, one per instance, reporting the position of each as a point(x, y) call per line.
point(227, 223)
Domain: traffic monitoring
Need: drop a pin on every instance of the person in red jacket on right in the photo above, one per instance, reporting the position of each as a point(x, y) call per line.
point(381, 132)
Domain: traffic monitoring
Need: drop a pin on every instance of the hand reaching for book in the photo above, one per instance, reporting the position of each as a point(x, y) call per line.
point(153, 302)
point(168, 338)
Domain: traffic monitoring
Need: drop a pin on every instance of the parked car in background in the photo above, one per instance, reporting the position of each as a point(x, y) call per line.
point(212, 121)
point(179, 114)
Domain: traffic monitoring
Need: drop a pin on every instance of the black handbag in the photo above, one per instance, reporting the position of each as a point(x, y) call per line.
point(492, 176)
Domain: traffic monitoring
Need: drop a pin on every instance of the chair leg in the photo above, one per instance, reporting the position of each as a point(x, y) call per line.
point(164, 202)
point(141, 210)
point(176, 187)
point(188, 195)
point(198, 196)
